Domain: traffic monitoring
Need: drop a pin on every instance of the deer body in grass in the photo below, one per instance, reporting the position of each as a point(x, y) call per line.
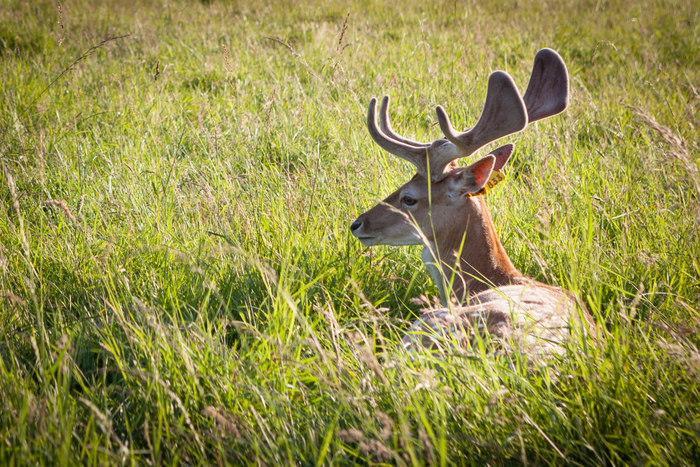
point(441, 208)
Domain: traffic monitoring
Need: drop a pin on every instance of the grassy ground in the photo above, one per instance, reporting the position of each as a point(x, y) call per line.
point(177, 279)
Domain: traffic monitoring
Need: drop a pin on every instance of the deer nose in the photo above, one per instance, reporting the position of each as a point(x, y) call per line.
point(355, 225)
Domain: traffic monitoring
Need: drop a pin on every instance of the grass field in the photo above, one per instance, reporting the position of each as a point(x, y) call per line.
point(178, 282)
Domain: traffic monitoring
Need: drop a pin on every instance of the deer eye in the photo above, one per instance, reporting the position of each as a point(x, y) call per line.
point(408, 201)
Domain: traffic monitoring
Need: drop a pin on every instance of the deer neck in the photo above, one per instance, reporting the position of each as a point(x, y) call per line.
point(468, 258)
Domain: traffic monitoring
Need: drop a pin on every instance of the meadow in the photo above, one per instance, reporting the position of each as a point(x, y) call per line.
point(178, 281)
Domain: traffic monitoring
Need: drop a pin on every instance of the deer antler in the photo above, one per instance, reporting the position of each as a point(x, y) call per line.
point(403, 148)
point(548, 90)
point(385, 125)
point(504, 113)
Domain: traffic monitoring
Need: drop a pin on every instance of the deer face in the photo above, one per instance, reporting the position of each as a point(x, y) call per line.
point(393, 221)
point(420, 209)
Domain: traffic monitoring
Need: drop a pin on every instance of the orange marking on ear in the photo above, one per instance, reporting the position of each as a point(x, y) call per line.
point(495, 178)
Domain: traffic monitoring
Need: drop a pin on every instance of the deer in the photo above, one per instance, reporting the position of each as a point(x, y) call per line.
point(442, 208)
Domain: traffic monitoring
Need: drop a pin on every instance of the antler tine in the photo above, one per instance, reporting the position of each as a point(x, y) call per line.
point(504, 113)
point(414, 155)
point(385, 125)
point(547, 92)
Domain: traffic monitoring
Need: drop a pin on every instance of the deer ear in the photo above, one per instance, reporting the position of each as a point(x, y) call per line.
point(502, 155)
point(474, 177)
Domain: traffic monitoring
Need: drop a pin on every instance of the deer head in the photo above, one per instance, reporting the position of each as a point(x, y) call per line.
point(438, 207)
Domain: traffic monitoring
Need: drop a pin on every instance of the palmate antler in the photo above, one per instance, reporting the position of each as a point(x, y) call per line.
point(504, 113)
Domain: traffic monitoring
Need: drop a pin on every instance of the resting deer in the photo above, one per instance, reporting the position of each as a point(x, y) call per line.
point(441, 208)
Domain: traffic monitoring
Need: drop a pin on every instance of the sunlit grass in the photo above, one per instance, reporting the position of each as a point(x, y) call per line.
point(177, 279)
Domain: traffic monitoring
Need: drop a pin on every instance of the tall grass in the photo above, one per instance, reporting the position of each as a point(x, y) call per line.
point(177, 279)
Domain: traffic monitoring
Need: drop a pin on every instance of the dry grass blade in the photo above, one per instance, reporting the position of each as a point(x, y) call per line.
point(70, 67)
point(679, 149)
point(339, 49)
point(62, 206)
point(297, 55)
point(227, 424)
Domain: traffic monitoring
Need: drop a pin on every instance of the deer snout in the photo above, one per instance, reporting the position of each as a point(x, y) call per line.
point(360, 225)
point(359, 230)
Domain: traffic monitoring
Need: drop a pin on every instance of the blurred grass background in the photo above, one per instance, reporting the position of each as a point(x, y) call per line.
point(177, 279)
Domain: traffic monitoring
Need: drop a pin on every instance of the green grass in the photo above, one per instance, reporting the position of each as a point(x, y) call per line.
point(177, 279)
